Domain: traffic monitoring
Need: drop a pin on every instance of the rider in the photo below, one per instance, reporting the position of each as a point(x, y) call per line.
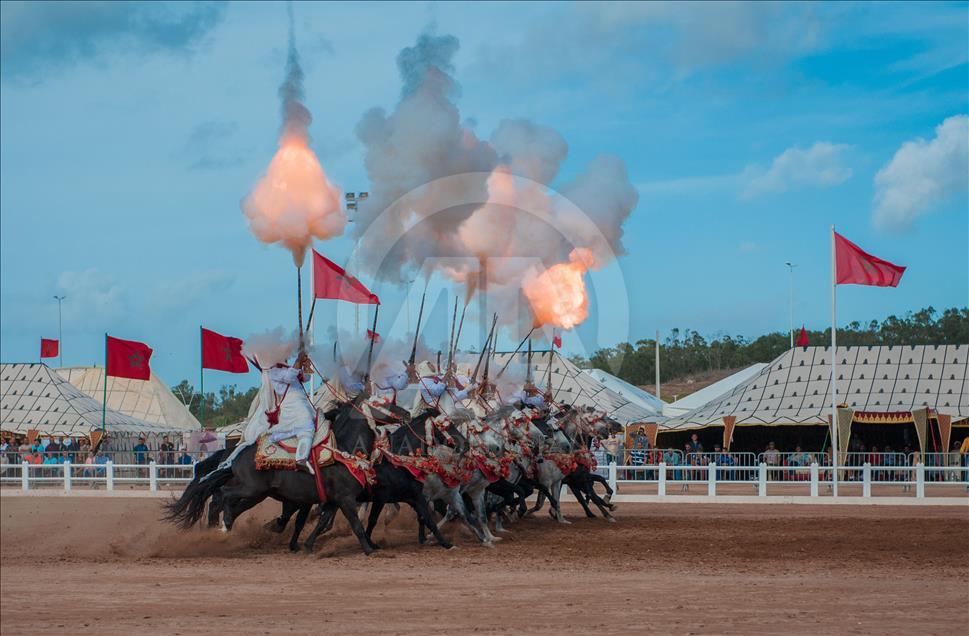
point(292, 413)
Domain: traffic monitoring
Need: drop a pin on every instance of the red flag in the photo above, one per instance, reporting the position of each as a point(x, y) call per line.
point(802, 338)
point(857, 267)
point(49, 348)
point(373, 335)
point(222, 353)
point(331, 281)
point(556, 339)
point(128, 359)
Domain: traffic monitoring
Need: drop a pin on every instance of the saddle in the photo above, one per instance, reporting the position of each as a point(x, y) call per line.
point(282, 455)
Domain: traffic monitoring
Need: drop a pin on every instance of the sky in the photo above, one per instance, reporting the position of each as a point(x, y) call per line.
point(130, 132)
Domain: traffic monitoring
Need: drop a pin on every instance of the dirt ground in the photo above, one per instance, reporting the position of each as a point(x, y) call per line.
point(108, 566)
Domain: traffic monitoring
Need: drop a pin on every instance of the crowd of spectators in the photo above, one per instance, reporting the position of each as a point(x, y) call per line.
point(49, 450)
point(792, 464)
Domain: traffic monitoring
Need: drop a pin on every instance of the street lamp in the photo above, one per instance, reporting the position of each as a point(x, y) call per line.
point(790, 267)
point(60, 325)
point(353, 201)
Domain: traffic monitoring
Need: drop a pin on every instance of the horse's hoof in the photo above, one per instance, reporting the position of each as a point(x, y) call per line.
point(565, 521)
point(294, 549)
point(449, 546)
point(497, 538)
point(488, 544)
point(611, 519)
point(273, 526)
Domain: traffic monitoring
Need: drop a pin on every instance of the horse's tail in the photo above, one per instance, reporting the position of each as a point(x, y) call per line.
point(188, 509)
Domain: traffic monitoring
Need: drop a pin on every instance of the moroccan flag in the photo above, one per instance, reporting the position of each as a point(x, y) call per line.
point(49, 348)
point(222, 353)
point(802, 338)
point(127, 359)
point(556, 339)
point(373, 335)
point(331, 281)
point(854, 266)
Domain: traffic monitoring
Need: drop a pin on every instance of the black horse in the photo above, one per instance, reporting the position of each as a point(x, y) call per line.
point(393, 485)
point(242, 485)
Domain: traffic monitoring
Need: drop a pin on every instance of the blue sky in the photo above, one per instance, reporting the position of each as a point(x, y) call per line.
point(130, 132)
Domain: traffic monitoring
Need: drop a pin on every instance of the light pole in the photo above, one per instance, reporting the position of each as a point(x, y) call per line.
point(353, 201)
point(60, 329)
point(790, 267)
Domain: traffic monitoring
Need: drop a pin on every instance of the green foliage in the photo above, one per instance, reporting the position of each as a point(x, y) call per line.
point(227, 406)
point(687, 352)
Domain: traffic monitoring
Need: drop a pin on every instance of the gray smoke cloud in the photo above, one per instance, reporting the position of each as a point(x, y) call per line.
point(498, 201)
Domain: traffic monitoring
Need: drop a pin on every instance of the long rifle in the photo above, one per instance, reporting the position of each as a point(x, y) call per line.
point(373, 336)
point(484, 351)
point(450, 342)
point(513, 353)
point(457, 338)
point(411, 363)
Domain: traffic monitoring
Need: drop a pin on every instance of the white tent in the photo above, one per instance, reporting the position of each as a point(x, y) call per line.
point(149, 400)
point(713, 391)
point(629, 391)
point(34, 397)
point(874, 381)
point(571, 386)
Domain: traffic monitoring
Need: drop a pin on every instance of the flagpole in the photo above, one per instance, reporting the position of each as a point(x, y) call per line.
point(834, 368)
point(310, 326)
point(201, 380)
point(104, 402)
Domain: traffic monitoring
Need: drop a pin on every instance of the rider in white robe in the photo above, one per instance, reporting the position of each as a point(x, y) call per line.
point(297, 416)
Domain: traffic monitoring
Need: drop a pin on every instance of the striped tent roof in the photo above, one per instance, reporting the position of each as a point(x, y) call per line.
point(149, 400)
point(34, 397)
point(795, 387)
point(571, 386)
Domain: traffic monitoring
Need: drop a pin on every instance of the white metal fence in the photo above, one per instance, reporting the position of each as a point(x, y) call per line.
point(668, 479)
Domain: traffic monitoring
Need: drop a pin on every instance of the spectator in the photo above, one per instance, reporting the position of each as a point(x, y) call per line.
point(772, 456)
point(695, 445)
point(141, 451)
point(638, 456)
point(723, 458)
point(45, 442)
point(4, 445)
point(54, 448)
point(69, 448)
point(611, 446)
point(25, 450)
point(166, 454)
point(598, 453)
point(186, 460)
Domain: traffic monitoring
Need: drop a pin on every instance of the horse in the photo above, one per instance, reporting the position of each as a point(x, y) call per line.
point(243, 486)
point(392, 484)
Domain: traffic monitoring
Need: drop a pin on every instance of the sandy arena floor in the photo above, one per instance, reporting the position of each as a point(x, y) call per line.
point(107, 566)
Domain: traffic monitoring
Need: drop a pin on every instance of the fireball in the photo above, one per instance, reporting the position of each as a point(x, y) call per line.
point(558, 296)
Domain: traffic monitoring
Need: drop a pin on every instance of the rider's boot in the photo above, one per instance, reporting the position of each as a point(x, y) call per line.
point(302, 455)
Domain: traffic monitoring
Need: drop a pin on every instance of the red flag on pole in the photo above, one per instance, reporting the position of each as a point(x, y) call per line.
point(802, 338)
point(856, 267)
point(127, 359)
point(222, 353)
point(49, 348)
point(556, 339)
point(331, 281)
point(373, 335)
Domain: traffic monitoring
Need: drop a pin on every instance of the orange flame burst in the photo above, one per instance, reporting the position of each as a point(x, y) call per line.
point(294, 201)
point(558, 295)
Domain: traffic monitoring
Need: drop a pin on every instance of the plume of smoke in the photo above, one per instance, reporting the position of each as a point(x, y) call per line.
point(390, 355)
point(270, 347)
point(294, 201)
point(410, 217)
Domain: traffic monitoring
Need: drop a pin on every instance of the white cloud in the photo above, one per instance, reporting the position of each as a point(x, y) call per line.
point(94, 299)
point(822, 165)
point(747, 247)
point(923, 173)
point(175, 296)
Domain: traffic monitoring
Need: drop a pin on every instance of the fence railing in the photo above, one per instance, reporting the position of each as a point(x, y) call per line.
point(666, 477)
